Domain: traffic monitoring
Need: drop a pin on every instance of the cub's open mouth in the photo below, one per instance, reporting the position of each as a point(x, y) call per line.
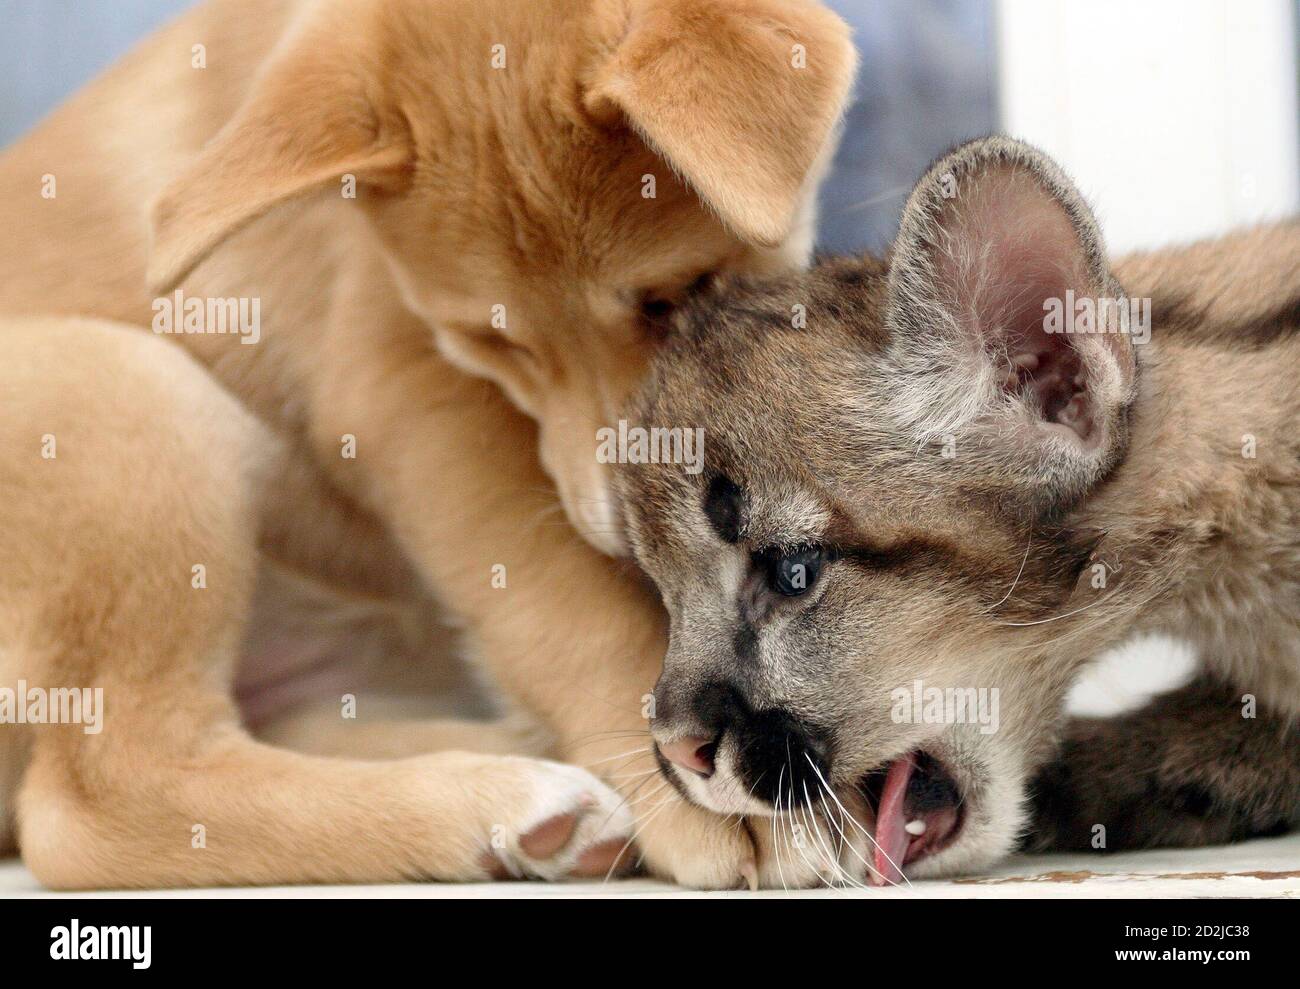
point(918, 812)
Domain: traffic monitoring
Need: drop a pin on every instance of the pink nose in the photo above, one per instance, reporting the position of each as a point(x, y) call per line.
point(693, 753)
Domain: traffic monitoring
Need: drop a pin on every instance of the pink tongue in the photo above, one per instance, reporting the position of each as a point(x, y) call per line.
point(891, 838)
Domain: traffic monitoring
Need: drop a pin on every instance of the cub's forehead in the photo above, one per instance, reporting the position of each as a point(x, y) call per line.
point(778, 348)
point(773, 376)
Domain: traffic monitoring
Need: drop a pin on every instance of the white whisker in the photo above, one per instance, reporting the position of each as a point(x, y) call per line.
point(1023, 560)
point(809, 813)
point(776, 841)
point(854, 821)
point(637, 832)
point(1056, 618)
point(845, 841)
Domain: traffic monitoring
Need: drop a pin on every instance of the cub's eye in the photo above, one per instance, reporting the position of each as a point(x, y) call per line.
point(792, 574)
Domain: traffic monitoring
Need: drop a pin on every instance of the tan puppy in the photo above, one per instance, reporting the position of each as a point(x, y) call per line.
point(446, 233)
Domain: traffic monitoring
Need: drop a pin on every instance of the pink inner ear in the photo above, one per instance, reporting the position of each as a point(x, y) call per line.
point(1010, 248)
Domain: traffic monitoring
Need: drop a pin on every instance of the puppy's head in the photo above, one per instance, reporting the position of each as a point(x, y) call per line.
point(547, 180)
point(865, 578)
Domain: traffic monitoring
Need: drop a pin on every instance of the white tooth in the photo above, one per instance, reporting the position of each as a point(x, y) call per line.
point(916, 827)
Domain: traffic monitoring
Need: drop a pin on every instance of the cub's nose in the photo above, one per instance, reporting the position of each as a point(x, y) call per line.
point(692, 752)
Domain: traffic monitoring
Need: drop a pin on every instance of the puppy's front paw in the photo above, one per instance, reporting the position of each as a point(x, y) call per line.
point(704, 850)
point(697, 848)
point(564, 824)
point(807, 848)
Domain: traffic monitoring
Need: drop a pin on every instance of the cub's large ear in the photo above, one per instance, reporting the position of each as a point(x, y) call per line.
point(314, 116)
point(1005, 319)
point(741, 97)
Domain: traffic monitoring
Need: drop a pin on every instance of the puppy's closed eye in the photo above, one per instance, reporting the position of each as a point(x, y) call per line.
point(655, 312)
point(657, 306)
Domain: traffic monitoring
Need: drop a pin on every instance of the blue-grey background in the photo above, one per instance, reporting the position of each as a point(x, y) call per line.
point(926, 83)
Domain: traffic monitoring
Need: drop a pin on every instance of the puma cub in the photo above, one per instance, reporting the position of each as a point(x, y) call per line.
point(936, 485)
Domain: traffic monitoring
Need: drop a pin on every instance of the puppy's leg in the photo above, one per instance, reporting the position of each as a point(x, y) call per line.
point(13, 760)
point(128, 483)
point(212, 807)
point(309, 645)
point(574, 638)
point(1188, 769)
point(319, 730)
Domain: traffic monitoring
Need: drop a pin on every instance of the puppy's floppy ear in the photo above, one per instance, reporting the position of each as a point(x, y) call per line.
point(313, 116)
point(740, 96)
point(1004, 316)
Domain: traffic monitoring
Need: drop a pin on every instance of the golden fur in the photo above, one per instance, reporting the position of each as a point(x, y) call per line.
point(468, 320)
